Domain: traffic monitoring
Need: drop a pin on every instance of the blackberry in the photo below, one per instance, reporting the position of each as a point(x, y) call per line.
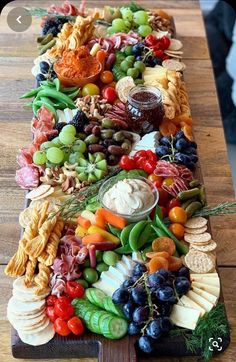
point(53, 25)
point(79, 121)
point(58, 126)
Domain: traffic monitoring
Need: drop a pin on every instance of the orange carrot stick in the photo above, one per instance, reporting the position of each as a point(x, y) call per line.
point(92, 239)
point(113, 219)
point(83, 222)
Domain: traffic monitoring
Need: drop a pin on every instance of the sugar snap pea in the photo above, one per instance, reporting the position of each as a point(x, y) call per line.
point(52, 93)
point(114, 231)
point(69, 90)
point(57, 83)
point(74, 94)
point(126, 249)
point(159, 232)
point(146, 236)
point(124, 236)
point(40, 103)
point(31, 93)
point(146, 250)
point(135, 234)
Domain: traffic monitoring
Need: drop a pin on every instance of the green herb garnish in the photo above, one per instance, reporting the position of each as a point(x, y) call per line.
point(226, 207)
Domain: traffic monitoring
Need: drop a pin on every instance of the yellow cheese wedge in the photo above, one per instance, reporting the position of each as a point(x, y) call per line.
point(184, 317)
point(208, 288)
point(205, 304)
point(187, 302)
point(208, 280)
point(208, 296)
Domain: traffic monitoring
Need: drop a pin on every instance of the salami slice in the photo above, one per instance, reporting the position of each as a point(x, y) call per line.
point(27, 177)
point(24, 158)
point(166, 169)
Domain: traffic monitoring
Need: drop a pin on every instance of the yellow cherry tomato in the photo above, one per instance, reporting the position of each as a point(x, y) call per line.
point(90, 89)
point(178, 214)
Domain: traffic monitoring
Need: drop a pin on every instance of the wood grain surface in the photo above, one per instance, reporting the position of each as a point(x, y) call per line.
point(17, 51)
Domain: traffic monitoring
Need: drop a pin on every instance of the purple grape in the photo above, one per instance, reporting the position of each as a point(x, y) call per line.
point(133, 329)
point(128, 310)
point(154, 329)
point(165, 293)
point(182, 285)
point(120, 296)
point(155, 280)
point(145, 344)
point(139, 295)
point(140, 315)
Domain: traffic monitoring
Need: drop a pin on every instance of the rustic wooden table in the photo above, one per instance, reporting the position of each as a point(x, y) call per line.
point(17, 51)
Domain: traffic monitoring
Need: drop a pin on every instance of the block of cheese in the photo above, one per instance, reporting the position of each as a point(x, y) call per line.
point(208, 288)
point(184, 317)
point(200, 300)
point(208, 296)
point(187, 302)
point(203, 279)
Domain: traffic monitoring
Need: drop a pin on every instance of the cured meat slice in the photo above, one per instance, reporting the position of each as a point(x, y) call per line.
point(27, 177)
point(24, 158)
point(166, 169)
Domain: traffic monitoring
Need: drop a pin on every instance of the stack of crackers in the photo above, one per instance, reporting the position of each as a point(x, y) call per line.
point(174, 51)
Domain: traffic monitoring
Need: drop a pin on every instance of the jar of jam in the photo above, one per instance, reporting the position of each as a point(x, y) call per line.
point(145, 109)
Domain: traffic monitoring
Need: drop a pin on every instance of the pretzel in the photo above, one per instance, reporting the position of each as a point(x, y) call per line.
point(17, 264)
point(30, 270)
point(42, 278)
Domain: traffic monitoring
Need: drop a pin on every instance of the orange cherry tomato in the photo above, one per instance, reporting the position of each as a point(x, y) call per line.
point(154, 177)
point(177, 229)
point(178, 214)
point(106, 76)
point(101, 55)
point(112, 84)
point(168, 181)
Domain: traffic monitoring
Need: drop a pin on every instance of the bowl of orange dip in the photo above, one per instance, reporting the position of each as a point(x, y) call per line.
point(77, 67)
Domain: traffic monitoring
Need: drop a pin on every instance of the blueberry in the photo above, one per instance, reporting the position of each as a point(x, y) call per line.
point(120, 296)
point(145, 344)
point(139, 269)
point(44, 67)
point(139, 295)
point(133, 329)
point(154, 329)
point(179, 135)
point(184, 272)
point(141, 315)
point(165, 293)
point(162, 151)
point(181, 144)
point(182, 285)
point(165, 141)
point(155, 280)
point(137, 49)
point(128, 310)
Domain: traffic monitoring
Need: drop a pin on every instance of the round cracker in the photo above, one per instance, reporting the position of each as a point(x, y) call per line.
point(25, 323)
point(208, 247)
point(26, 297)
point(123, 87)
point(199, 262)
point(25, 217)
point(196, 231)
point(25, 317)
point(175, 44)
point(37, 339)
point(39, 191)
point(172, 64)
point(23, 308)
point(42, 325)
point(196, 222)
point(197, 238)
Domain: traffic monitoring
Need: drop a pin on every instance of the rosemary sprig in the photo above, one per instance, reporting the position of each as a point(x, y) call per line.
point(223, 208)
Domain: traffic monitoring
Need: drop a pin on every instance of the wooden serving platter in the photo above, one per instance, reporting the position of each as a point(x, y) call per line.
point(92, 345)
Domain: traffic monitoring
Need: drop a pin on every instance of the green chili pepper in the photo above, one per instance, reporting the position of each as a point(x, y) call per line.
point(124, 236)
point(135, 234)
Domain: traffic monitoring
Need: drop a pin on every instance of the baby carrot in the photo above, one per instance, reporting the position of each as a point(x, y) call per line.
point(113, 219)
point(83, 222)
point(93, 229)
point(92, 239)
point(100, 222)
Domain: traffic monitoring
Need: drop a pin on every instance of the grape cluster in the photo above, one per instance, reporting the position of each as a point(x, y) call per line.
point(53, 25)
point(46, 72)
point(178, 149)
point(147, 301)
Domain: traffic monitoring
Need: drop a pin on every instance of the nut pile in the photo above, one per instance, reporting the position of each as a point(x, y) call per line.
point(159, 23)
point(93, 106)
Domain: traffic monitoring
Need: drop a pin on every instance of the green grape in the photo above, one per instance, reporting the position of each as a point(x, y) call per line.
point(110, 258)
point(128, 24)
point(69, 129)
point(130, 58)
point(46, 145)
point(139, 65)
point(144, 30)
point(133, 72)
point(128, 50)
point(66, 138)
point(75, 157)
point(110, 30)
point(118, 25)
point(66, 155)
point(56, 142)
point(127, 14)
point(39, 158)
point(141, 17)
point(79, 146)
point(55, 155)
point(125, 65)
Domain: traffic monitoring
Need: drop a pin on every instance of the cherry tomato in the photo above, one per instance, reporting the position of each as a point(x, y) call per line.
point(156, 180)
point(177, 229)
point(151, 156)
point(172, 203)
point(151, 39)
point(60, 327)
point(163, 197)
point(149, 166)
point(139, 154)
point(165, 40)
point(164, 211)
point(74, 289)
point(63, 308)
point(90, 89)
point(178, 214)
point(51, 300)
point(50, 311)
point(159, 53)
point(106, 76)
point(168, 181)
point(109, 94)
point(127, 163)
point(76, 326)
point(101, 55)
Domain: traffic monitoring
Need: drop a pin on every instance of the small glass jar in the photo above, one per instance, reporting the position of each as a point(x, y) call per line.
point(145, 109)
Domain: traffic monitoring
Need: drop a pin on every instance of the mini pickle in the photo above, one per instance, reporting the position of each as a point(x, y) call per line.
point(192, 208)
point(185, 195)
point(194, 183)
point(202, 195)
point(47, 39)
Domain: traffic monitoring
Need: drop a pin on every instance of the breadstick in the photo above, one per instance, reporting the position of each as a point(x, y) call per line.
point(42, 278)
point(17, 264)
point(30, 270)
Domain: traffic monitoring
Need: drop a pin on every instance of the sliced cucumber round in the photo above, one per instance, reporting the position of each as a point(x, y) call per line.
point(94, 321)
point(95, 296)
point(114, 327)
point(111, 307)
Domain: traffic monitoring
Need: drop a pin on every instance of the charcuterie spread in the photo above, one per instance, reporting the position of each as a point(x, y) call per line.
point(115, 239)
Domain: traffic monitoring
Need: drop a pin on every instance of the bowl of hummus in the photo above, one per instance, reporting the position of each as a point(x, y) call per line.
point(131, 198)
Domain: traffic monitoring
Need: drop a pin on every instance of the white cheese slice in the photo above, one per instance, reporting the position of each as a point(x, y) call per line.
point(184, 317)
point(123, 268)
point(128, 261)
point(187, 302)
point(208, 288)
point(61, 116)
point(106, 288)
point(147, 142)
point(136, 256)
point(205, 304)
point(206, 280)
point(68, 114)
point(117, 273)
point(210, 297)
point(112, 277)
point(205, 275)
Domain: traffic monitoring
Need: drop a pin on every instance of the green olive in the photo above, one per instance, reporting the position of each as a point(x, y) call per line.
point(82, 136)
point(90, 275)
point(119, 136)
point(107, 123)
point(89, 140)
point(101, 267)
point(107, 133)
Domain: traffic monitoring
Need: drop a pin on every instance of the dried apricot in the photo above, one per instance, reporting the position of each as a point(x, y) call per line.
point(167, 128)
point(153, 254)
point(163, 243)
point(174, 263)
point(157, 263)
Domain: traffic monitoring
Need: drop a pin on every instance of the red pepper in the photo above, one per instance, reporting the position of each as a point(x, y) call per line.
point(150, 40)
point(74, 289)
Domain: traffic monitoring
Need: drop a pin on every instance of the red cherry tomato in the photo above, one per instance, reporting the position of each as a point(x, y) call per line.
point(109, 94)
point(140, 162)
point(163, 197)
point(151, 156)
point(76, 326)
point(74, 289)
point(127, 163)
point(149, 166)
point(139, 154)
point(51, 300)
point(165, 40)
point(157, 184)
point(172, 203)
point(50, 311)
point(150, 39)
point(60, 327)
point(159, 53)
point(63, 308)
point(164, 211)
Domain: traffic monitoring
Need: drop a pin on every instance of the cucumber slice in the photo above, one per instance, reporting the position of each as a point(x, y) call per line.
point(95, 296)
point(80, 312)
point(114, 327)
point(88, 315)
point(94, 321)
point(111, 307)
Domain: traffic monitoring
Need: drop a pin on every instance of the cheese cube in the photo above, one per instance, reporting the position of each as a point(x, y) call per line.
point(205, 304)
point(184, 317)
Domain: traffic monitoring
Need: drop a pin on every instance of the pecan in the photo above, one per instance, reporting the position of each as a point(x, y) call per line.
point(65, 185)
